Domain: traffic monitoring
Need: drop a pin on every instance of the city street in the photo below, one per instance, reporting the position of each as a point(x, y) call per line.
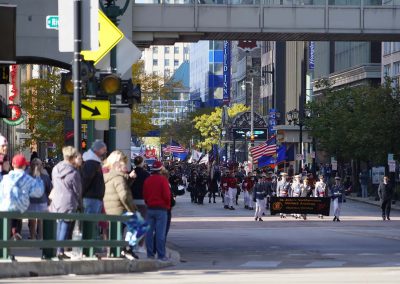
point(223, 246)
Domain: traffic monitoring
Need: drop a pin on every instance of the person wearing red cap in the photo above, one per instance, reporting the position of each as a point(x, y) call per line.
point(17, 187)
point(157, 196)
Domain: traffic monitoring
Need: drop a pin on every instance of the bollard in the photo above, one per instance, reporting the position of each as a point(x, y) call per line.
point(49, 233)
point(5, 233)
point(115, 233)
point(89, 232)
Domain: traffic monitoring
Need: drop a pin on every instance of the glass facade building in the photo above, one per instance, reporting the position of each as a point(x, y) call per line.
point(206, 72)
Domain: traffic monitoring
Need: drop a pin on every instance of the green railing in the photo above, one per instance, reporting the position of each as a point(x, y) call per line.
point(49, 243)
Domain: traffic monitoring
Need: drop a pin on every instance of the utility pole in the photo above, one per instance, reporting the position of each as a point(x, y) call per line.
point(77, 73)
point(113, 11)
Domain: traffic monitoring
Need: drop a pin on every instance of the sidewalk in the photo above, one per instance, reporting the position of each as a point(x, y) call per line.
point(29, 264)
point(371, 200)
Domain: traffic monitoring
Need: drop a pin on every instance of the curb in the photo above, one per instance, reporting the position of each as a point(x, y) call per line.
point(83, 267)
point(371, 202)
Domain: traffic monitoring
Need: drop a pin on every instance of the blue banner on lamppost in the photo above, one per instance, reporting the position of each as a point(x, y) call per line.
point(311, 55)
point(271, 121)
point(227, 72)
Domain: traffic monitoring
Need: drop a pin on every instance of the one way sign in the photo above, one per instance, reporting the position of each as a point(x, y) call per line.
point(94, 110)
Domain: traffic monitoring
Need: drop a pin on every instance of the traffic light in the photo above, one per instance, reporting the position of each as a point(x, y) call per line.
point(110, 84)
point(84, 144)
point(67, 86)
point(252, 140)
point(130, 93)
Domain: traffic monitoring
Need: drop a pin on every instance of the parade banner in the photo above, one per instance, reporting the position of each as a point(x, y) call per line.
point(300, 205)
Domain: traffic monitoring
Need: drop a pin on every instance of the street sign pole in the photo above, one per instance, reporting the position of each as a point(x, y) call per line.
point(77, 73)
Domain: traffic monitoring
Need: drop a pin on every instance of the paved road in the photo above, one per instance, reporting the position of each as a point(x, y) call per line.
point(223, 246)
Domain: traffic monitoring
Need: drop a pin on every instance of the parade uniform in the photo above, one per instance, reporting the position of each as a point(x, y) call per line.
point(247, 186)
point(232, 191)
point(337, 192)
point(320, 191)
point(283, 190)
point(259, 194)
point(224, 191)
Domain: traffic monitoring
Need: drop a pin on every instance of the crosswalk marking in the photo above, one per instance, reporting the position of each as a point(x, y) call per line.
point(332, 254)
point(261, 264)
point(326, 263)
point(369, 254)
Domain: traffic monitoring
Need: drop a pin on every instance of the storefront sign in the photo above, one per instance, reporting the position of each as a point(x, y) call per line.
point(311, 55)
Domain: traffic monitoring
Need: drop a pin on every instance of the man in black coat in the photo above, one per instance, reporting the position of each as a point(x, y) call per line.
point(93, 187)
point(385, 192)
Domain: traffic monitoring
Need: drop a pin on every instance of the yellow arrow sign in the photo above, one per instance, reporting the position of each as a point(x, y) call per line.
point(94, 110)
point(109, 36)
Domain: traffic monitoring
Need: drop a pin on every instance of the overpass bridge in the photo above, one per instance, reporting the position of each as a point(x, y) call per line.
point(276, 20)
point(191, 20)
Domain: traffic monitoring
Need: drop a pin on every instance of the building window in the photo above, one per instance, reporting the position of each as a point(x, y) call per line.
point(155, 49)
point(186, 50)
point(155, 62)
point(166, 49)
point(396, 68)
point(176, 49)
point(396, 46)
point(166, 62)
point(386, 70)
point(167, 73)
point(386, 48)
point(176, 62)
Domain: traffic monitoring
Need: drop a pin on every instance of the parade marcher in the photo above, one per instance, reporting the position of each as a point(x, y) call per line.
point(192, 186)
point(295, 190)
point(337, 195)
point(215, 179)
point(321, 190)
point(16, 189)
point(240, 175)
point(66, 194)
point(259, 194)
point(283, 189)
point(201, 187)
point(92, 178)
point(232, 190)
point(385, 192)
point(225, 189)
point(157, 195)
point(306, 191)
point(247, 185)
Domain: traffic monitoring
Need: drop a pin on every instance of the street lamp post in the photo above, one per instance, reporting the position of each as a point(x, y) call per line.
point(251, 112)
point(298, 119)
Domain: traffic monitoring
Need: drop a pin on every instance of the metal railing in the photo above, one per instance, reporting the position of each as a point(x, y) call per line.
point(275, 2)
point(49, 243)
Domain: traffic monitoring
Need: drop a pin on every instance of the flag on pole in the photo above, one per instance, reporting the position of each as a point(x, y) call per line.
point(267, 148)
point(175, 147)
point(204, 160)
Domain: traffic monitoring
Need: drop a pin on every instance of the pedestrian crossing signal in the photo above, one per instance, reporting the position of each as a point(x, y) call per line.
point(83, 144)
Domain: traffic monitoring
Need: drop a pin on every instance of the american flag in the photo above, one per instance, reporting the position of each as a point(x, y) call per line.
point(174, 148)
point(267, 148)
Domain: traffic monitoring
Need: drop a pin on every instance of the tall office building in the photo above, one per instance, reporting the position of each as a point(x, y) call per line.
point(391, 61)
point(348, 63)
point(206, 72)
point(171, 62)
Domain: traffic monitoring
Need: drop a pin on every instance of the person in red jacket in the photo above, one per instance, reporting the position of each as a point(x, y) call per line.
point(224, 189)
point(247, 185)
point(157, 196)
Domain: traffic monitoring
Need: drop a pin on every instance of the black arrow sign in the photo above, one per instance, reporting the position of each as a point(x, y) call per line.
point(94, 111)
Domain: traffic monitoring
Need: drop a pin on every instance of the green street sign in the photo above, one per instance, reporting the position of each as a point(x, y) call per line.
point(52, 22)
